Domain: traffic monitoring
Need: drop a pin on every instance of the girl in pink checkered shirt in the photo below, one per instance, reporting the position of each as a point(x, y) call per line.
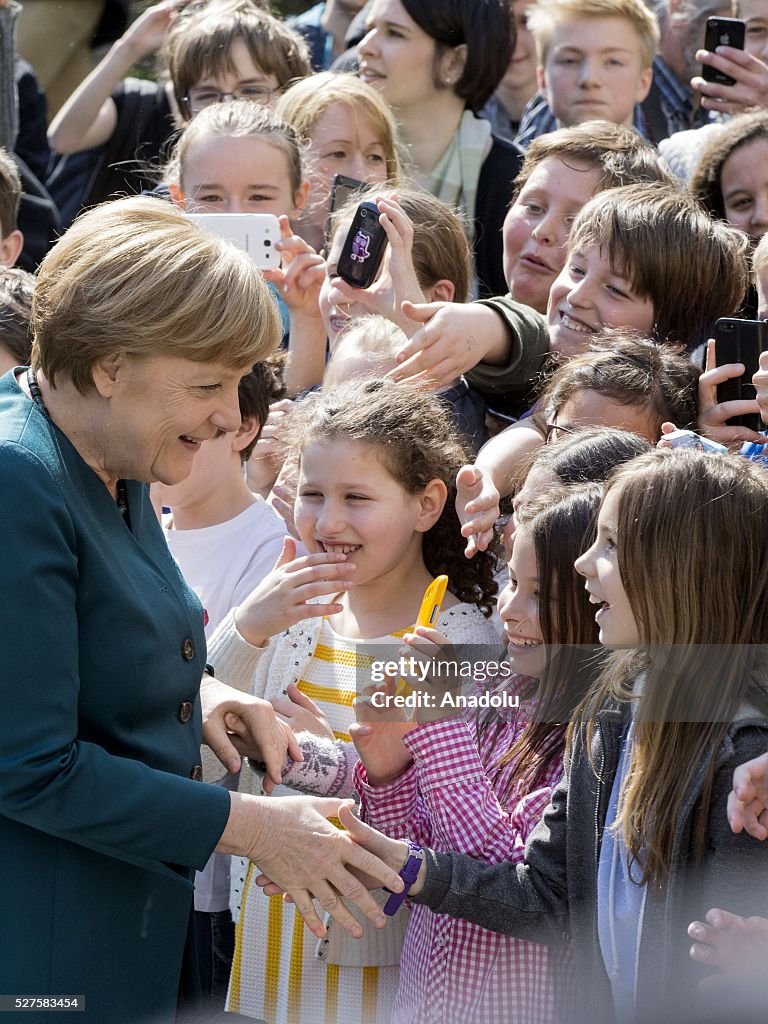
point(480, 783)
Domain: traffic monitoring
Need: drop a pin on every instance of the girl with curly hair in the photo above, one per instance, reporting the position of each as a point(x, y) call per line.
point(377, 463)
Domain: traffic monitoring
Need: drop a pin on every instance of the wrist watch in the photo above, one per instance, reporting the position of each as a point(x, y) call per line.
point(409, 873)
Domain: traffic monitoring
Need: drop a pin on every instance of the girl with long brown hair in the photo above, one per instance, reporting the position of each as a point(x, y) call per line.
point(479, 783)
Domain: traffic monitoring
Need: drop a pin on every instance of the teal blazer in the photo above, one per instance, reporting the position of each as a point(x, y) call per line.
point(101, 819)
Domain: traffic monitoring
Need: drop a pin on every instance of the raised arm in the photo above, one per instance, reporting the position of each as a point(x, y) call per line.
point(89, 116)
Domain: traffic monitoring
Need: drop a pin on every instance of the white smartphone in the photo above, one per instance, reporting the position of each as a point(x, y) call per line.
point(254, 233)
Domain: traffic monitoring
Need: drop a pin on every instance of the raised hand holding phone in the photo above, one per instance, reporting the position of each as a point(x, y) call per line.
point(428, 613)
point(363, 248)
point(720, 398)
point(734, 76)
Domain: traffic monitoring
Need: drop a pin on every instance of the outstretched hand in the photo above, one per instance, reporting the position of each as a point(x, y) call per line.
point(748, 800)
point(477, 506)
point(393, 853)
point(150, 30)
point(736, 946)
point(303, 855)
point(453, 337)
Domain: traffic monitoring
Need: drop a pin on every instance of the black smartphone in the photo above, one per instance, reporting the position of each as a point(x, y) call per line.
point(740, 341)
point(722, 32)
point(342, 190)
point(363, 248)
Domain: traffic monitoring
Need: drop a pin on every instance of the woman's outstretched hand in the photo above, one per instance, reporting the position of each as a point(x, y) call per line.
point(390, 852)
point(306, 857)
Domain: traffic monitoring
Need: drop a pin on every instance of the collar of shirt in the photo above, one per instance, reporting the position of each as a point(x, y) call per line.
point(677, 99)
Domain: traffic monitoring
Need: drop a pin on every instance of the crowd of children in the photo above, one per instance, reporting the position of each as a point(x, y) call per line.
point(570, 203)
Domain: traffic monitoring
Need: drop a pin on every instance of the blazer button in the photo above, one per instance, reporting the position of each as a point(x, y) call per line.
point(197, 773)
point(187, 650)
point(185, 712)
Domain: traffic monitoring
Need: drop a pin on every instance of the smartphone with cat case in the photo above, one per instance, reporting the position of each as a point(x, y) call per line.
point(363, 248)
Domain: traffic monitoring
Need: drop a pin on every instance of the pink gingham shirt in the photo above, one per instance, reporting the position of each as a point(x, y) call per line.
point(452, 971)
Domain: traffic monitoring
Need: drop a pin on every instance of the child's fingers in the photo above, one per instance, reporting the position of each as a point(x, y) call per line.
point(298, 270)
point(720, 374)
point(428, 634)
point(396, 223)
point(721, 920)
point(295, 696)
point(710, 361)
point(701, 932)
point(287, 553)
point(321, 588)
point(421, 313)
point(472, 547)
point(306, 568)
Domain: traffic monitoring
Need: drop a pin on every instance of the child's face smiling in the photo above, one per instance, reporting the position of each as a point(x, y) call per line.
point(519, 609)
point(599, 565)
point(348, 501)
point(588, 295)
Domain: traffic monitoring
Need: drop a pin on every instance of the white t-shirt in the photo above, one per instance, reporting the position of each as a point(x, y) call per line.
point(223, 564)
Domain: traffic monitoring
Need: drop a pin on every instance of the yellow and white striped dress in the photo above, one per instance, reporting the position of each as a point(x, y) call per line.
point(277, 975)
point(281, 973)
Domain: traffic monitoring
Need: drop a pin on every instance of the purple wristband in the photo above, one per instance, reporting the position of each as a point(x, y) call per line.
point(409, 873)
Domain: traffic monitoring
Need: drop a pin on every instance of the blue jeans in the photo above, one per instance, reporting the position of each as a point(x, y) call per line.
point(215, 939)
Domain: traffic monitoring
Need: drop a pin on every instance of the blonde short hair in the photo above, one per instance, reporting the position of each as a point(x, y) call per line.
point(305, 102)
point(546, 15)
point(374, 339)
point(136, 276)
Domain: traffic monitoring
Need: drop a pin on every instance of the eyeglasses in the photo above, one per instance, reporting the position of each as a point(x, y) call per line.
point(551, 432)
point(198, 99)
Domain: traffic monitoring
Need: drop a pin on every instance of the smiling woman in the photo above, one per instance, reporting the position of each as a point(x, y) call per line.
point(350, 131)
point(136, 361)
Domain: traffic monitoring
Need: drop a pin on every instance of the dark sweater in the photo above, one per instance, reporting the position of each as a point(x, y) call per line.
point(551, 898)
point(509, 387)
point(494, 194)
